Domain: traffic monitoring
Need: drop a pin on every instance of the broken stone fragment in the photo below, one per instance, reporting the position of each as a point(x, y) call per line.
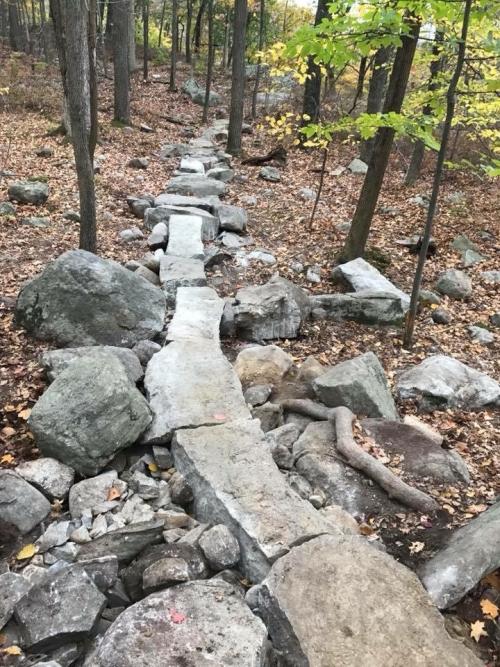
point(21, 504)
point(220, 547)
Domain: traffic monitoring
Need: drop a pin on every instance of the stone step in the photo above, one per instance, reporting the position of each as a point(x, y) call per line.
point(190, 165)
point(361, 276)
point(210, 227)
point(185, 236)
point(190, 384)
point(196, 185)
point(236, 482)
point(209, 203)
point(198, 312)
point(178, 272)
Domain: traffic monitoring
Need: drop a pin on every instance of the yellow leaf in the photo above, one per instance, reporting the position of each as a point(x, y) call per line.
point(489, 608)
point(7, 458)
point(477, 630)
point(416, 547)
point(24, 414)
point(153, 467)
point(12, 650)
point(27, 551)
point(113, 493)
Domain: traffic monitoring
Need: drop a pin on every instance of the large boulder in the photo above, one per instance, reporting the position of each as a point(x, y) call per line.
point(90, 412)
point(82, 299)
point(196, 185)
point(57, 361)
point(455, 284)
point(366, 307)
point(360, 385)
point(274, 310)
point(29, 192)
point(441, 382)
point(197, 93)
point(51, 477)
point(196, 624)
point(361, 276)
point(472, 552)
point(262, 365)
point(338, 601)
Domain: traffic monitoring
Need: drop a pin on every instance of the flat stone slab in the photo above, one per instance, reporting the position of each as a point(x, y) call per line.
point(190, 165)
point(236, 482)
point(472, 553)
point(124, 543)
point(210, 203)
point(196, 624)
point(198, 312)
point(178, 272)
point(359, 275)
point(210, 226)
point(190, 384)
point(185, 236)
point(365, 307)
point(56, 361)
point(196, 185)
point(338, 601)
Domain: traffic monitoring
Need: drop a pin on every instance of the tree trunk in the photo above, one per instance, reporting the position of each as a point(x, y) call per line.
point(419, 148)
point(16, 33)
point(376, 92)
point(121, 26)
point(162, 22)
point(225, 50)
point(197, 26)
point(438, 173)
point(262, 25)
point(237, 78)
point(367, 202)
point(189, 20)
point(312, 87)
point(210, 59)
point(145, 33)
point(132, 59)
point(358, 95)
point(173, 52)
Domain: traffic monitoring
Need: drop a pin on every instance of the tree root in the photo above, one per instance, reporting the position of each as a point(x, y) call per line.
point(279, 154)
point(357, 458)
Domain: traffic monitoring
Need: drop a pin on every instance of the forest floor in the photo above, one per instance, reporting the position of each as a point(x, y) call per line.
point(278, 222)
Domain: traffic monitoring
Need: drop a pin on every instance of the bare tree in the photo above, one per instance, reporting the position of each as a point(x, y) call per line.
point(189, 21)
point(173, 52)
point(121, 26)
point(262, 25)
point(438, 174)
point(132, 60)
point(237, 77)
point(210, 59)
point(145, 33)
point(312, 87)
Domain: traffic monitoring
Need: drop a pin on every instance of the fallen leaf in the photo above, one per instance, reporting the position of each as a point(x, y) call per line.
point(176, 617)
point(152, 467)
point(28, 551)
point(489, 608)
point(477, 630)
point(24, 414)
point(365, 529)
point(7, 458)
point(492, 580)
point(8, 431)
point(416, 547)
point(477, 509)
point(113, 493)
point(12, 650)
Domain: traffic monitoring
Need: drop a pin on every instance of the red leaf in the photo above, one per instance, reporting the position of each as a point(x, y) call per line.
point(176, 616)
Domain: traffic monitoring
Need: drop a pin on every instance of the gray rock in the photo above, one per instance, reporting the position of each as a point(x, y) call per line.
point(196, 185)
point(233, 240)
point(310, 578)
point(471, 257)
point(495, 319)
point(144, 350)
point(164, 573)
point(146, 487)
point(427, 298)
point(359, 384)
point(40, 222)
point(262, 364)
point(455, 284)
point(180, 490)
point(124, 543)
point(198, 312)
point(314, 274)
point(6, 208)
point(259, 256)
point(66, 608)
point(307, 194)
point(81, 299)
point(210, 223)
point(185, 237)
point(471, 553)
point(197, 93)
point(55, 362)
point(138, 206)
point(21, 504)
point(243, 491)
point(52, 478)
point(189, 384)
point(491, 277)
point(481, 335)
point(366, 307)
point(200, 629)
point(29, 192)
point(232, 218)
point(220, 547)
point(139, 163)
point(357, 167)
point(158, 237)
point(13, 588)
point(270, 174)
point(342, 485)
point(85, 418)
point(441, 382)
point(130, 235)
point(441, 316)
point(56, 535)
point(258, 394)
point(274, 310)
point(285, 436)
point(94, 491)
point(224, 174)
point(163, 457)
point(209, 204)
point(148, 275)
point(191, 165)
point(102, 571)
point(270, 416)
point(176, 272)
point(361, 276)
point(418, 454)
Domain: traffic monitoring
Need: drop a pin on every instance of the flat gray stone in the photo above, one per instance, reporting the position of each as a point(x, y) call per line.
point(176, 272)
point(124, 543)
point(360, 385)
point(51, 477)
point(471, 553)
point(481, 335)
point(21, 504)
point(491, 277)
point(63, 609)
point(185, 237)
point(92, 492)
point(196, 185)
point(455, 284)
point(82, 299)
point(145, 349)
point(198, 624)
point(210, 226)
point(210, 203)
point(365, 307)
point(441, 382)
point(224, 174)
point(236, 482)
point(84, 418)
point(190, 384)
point(198, 312)
point(190, 165)
point(325, 603)
point(55, 362)
point(361, 276)
point(270, 174)
point(13, 587)
point(232, 218)
point(29, 192)
point(357, 166)
point(163, 573)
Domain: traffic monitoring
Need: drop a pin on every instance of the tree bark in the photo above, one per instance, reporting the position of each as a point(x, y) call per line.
point(367, 202)
point(312, 88)
point(189, 21)
point(210, 59)
point(438, 173)
point(121, 27)
point(132, 59)
point(162, 22)
point(262, 25)
point(197, 26)
point(376, 92)
point(237, 78)
point(145, 34)
point(17, 40)
point(419, 148)
point(173, 51)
